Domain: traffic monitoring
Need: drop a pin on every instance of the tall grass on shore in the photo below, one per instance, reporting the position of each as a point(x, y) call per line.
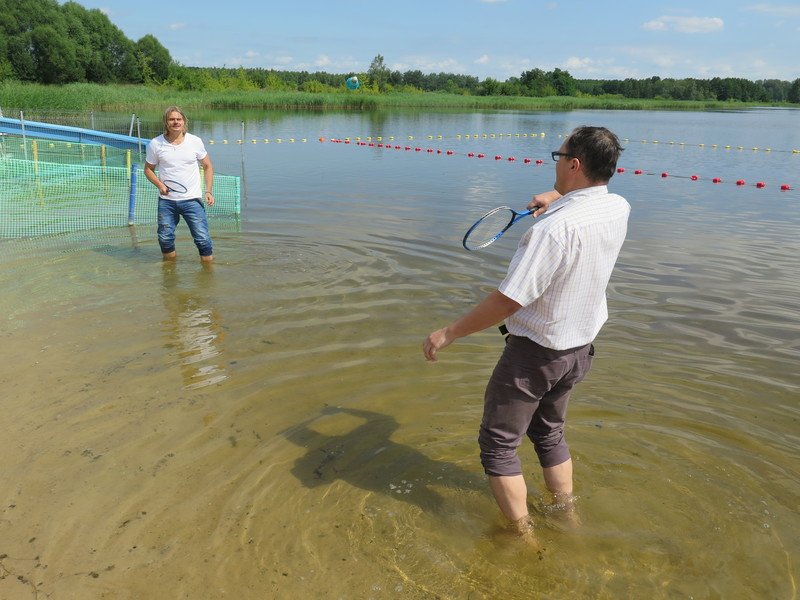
point(138, 98)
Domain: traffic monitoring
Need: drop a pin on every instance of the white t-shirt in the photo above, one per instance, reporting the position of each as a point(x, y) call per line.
point(178, 163)
point(562, 266)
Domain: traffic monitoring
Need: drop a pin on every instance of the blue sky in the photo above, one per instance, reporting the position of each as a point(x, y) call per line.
point(483, 38)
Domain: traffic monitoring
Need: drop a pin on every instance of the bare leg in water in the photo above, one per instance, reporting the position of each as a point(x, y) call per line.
point(511, 494)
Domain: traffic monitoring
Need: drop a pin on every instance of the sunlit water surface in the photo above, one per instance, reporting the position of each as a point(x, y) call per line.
point(268, 428)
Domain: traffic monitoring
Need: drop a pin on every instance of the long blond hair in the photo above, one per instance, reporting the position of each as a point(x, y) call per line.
point(168, 112)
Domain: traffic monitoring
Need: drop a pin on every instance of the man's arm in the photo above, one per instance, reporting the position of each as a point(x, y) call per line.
point(208, 175)
point(542, 201)
point(491, 310)
point(153, 178)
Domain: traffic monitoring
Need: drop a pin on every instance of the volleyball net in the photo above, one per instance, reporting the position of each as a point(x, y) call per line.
point(49, 187)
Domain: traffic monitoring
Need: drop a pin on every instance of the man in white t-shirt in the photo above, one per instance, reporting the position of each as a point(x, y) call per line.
point(177, 154)
point(553, 301)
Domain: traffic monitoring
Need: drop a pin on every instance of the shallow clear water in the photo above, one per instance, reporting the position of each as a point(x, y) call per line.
point(268, 428)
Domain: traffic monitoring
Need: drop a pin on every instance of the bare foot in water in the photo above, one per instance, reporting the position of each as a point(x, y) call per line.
point(524, 529)
point(563, 507)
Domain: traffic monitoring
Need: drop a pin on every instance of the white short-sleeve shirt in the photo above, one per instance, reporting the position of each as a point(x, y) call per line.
point(178, 163)
point(560, 271)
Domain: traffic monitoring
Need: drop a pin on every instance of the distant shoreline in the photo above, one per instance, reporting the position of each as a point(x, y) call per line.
point(115, 97)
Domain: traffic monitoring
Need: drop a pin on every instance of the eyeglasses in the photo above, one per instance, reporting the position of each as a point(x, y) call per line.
point(557, 155)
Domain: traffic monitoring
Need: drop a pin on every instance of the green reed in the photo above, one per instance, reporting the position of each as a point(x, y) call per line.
point(86, 96)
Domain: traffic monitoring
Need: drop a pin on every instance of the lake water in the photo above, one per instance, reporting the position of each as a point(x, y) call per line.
point(268, 427)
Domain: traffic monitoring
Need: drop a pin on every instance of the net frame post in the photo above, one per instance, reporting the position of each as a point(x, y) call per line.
point(132, 196)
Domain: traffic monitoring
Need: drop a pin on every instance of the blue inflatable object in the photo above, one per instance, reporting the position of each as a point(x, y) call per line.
point(352, 83)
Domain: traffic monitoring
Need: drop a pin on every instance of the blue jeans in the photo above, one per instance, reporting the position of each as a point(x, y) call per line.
point(193, 212)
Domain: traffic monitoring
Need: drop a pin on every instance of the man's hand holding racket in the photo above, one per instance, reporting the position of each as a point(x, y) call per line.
point(540, 202)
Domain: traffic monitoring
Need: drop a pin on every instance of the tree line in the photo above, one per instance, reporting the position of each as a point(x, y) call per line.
point(44, 42)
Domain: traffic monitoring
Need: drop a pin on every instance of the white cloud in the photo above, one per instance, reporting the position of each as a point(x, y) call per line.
point(780, 10)
point(655, 25)
point(429, 65)
point(176, 26)
point(575, 63)
point(322, 61)
point(685, 24)
point(483, 60)
point(583, 67)
point(247, 59)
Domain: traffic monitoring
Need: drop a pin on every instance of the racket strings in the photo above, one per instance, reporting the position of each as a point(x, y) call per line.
point(485, 231)
point(175, 186)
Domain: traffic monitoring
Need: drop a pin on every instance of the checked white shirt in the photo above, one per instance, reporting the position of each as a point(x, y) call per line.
point(560, 271)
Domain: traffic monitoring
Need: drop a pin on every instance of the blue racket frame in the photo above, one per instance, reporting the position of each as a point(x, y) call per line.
point(515, 216)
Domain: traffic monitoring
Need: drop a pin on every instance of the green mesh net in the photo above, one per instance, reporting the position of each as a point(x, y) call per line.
point(58, 187)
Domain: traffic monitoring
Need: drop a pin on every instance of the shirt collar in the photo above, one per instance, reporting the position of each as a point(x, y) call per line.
point(578, 195)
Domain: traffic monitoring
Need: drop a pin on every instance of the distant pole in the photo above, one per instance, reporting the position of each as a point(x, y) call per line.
point(24, 140)
point(139, 136)
point(243, 180)
point(132, 197)
point(130, 129)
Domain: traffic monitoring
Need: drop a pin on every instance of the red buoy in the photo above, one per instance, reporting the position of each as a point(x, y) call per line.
point(527, 161)
point(740, 182)
point(539, 161)
point(695, 177)
point(620, 170)
point(481, 155)
point(716, 180)
point(471, 154)
point(665, 174)
point(761, 184)
point(497, 157)
point(637, 172)
point(785, 187)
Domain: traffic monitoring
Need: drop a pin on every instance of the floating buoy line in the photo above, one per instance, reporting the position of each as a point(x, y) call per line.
point(501, 136)
point(533, 161)
point(392, 143)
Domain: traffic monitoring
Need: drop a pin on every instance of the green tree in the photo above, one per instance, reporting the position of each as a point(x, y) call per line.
point(490, 87)
point(794, 92)
point(562, 82)
point(536, 83)
point(20, 57)
point(156, 57)
point(378, 72)
point(55, 56)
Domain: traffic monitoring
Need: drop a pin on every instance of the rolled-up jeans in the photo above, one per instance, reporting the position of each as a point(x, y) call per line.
point(528, 395)
point(193, 212)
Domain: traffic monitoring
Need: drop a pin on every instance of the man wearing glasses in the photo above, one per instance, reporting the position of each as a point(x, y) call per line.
point(553, 301)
